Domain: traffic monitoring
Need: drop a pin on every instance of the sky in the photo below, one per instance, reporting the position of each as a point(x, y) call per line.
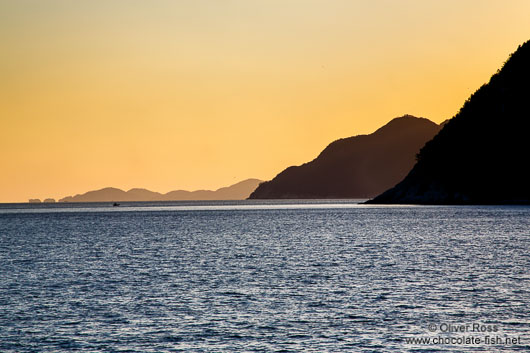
point(199, 94)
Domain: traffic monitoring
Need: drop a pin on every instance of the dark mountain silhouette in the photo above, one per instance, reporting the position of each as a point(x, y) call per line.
point(239, 191)
point(481, 154)
point(355, 167)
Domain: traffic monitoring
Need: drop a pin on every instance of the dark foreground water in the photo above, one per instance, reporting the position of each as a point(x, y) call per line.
point(273, 277)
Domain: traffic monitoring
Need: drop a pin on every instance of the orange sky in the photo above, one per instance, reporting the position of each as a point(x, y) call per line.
point(201, 94)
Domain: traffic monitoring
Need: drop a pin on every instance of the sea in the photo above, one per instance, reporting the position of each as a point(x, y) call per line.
point(264, 276)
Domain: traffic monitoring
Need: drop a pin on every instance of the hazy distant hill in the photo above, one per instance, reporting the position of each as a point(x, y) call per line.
point(239, 191)
point(481, 155)
point(355, 167)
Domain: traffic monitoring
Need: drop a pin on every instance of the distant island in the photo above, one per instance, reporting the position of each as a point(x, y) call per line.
point(355, 167)
point(481, 155)
point(239, 191)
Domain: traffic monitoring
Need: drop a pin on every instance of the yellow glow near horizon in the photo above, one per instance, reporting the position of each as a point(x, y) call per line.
point(201, 94)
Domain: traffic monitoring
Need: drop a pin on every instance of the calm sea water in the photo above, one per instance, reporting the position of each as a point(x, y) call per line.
point(267, 277)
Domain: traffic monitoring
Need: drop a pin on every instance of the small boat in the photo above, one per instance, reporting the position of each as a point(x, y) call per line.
point(115, 204)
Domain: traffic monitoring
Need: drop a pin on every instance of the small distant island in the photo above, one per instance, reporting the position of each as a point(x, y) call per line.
point(238, 191)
